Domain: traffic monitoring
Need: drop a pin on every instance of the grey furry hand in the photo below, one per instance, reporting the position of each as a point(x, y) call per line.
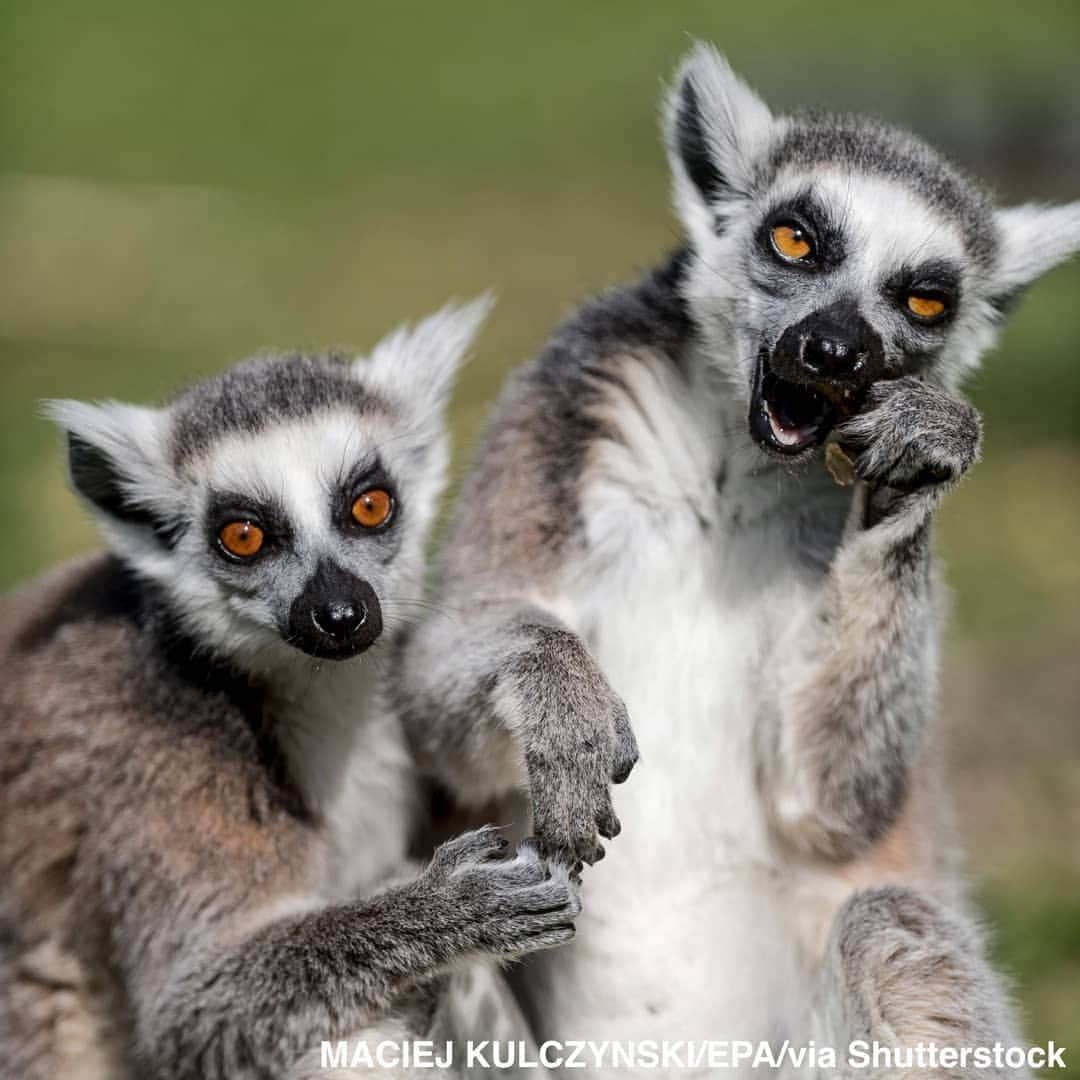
point(501, 906)
point(570, 776)
point(912, 436)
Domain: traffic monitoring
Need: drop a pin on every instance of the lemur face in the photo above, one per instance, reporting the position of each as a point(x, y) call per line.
point(299, 532)
point(279, 511)
point(851, 277)
point(830, 252)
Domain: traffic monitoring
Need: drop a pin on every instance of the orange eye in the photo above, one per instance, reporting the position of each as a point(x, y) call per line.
point(242, 539)
point(373, 508)
point(791, 241)
point(926, 307)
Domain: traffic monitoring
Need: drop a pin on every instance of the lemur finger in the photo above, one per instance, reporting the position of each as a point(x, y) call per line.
point(486, 887)
point(625, 751)
point(546, 852)
point(555, 895)
point(874, 456)
point(562, 849)
point(556, 901)
point(857, 432)
point(525, 934)
point(583, 846)
point(594, 853)
point(525, 868)
point(525, 926)
point(519, 918)
point(548, 939)
point(478, 845)
point(607, 823)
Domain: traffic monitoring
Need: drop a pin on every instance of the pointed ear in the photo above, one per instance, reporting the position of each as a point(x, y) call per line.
point(118, 462)
point(1033, 240)
point(417, 364)
point(716, 129)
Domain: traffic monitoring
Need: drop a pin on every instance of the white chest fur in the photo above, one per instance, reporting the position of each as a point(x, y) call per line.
point(691, 578)
point(349, 756)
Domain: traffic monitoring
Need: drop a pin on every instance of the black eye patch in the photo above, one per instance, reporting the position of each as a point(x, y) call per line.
point(937, 281)
point(365, 476)
point(228, 506)
point(826, 238)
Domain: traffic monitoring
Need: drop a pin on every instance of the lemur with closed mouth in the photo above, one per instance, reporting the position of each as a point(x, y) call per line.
point(204, 799)
point(650, 519)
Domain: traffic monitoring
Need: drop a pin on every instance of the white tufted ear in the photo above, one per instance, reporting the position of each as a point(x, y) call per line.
point(1034, 239)
point(118, 463)
point(417, 364)
point(716, 129)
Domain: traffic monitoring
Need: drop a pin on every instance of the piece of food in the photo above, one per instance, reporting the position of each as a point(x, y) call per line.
point(840, 466)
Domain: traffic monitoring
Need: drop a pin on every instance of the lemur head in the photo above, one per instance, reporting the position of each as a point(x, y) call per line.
point(829, 252)
point(280, 508)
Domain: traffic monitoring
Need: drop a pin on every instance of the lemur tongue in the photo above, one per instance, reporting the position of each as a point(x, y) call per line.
point(784, 435)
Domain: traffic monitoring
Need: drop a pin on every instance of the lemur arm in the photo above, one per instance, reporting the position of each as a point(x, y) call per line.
point(504, 696)
point(233, 966)
point(856, 682)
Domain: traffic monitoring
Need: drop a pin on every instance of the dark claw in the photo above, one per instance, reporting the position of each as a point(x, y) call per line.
point(609, 826)
point(594, 856)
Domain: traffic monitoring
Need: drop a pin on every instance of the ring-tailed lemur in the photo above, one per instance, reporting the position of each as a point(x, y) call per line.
point(203, 796)
point(651, 503)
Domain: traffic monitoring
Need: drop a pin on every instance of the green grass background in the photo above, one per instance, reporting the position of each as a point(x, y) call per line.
point(183, 184)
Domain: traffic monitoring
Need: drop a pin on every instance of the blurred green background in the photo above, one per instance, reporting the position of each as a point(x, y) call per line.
point(183, 184)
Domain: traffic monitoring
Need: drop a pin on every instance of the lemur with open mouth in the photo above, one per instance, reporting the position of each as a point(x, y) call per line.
point(649, 521)
point(204, 799)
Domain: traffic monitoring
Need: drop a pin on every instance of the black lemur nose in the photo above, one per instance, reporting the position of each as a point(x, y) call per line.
point(340, 619)
point(835, 345)
point(829, 356)
point(336, 615)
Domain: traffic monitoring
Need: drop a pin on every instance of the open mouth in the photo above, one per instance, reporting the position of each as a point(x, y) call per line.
point(788, 417)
